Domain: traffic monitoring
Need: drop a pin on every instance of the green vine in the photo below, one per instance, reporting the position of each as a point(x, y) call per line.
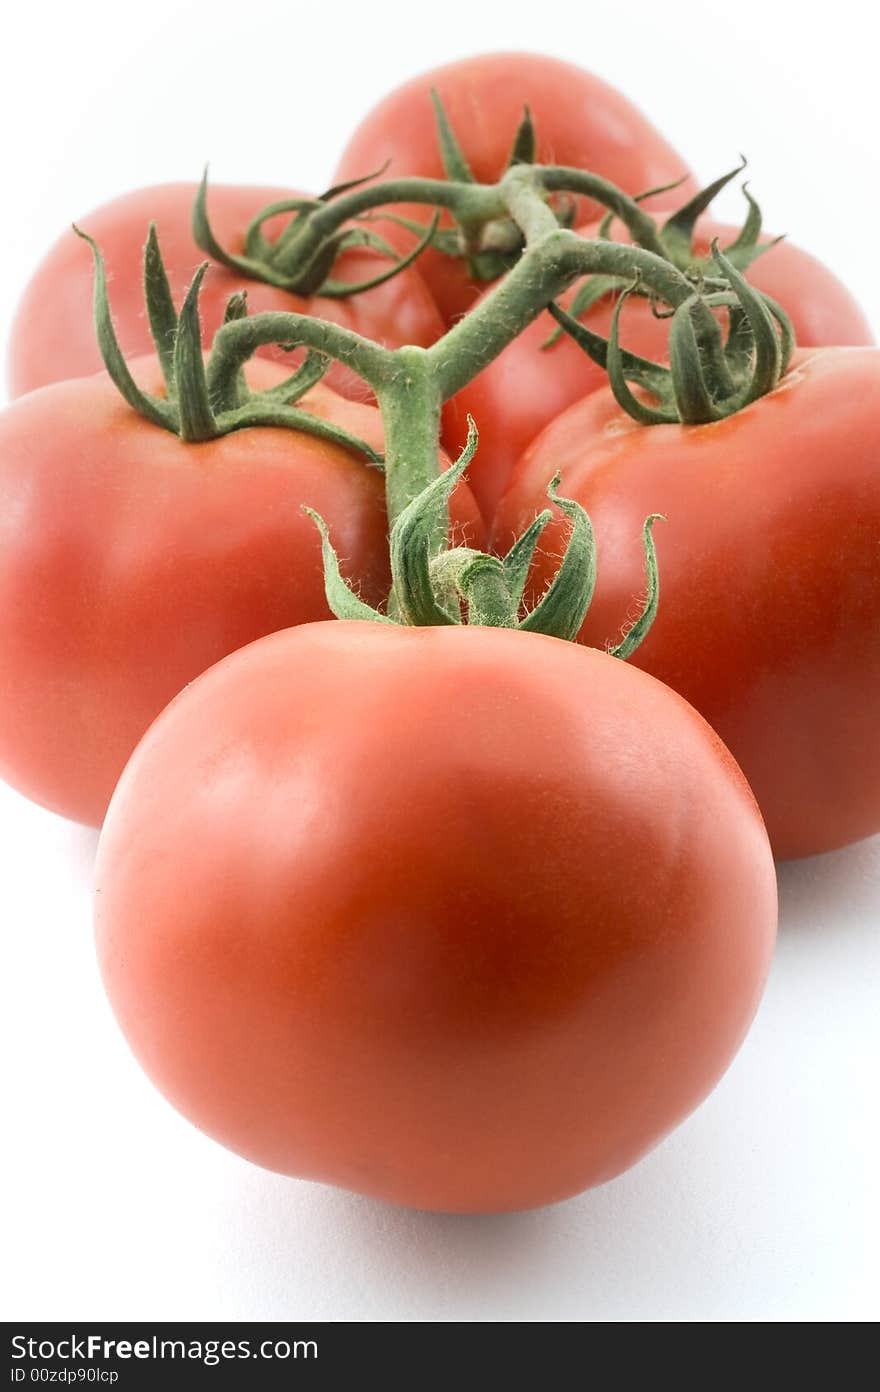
point(711, 373)
point(434, 586)
point(204, 403)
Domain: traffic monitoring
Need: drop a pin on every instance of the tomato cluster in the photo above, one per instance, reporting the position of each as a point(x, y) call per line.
point(439, 899)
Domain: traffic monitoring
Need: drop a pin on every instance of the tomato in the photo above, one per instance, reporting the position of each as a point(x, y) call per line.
point(462, 918)
point(130, 561)
point(525, 387)
point(579, 120)
point(49, 347)
point(769, 576)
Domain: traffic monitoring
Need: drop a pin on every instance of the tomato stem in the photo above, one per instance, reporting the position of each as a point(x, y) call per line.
point(510, 225)
point(410, 401)
point(435, 584)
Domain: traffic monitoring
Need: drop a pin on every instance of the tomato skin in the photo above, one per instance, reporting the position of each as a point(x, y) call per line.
point(47, 348)
point(579, 120)
point(130, 562)
point(525, 387)
point(473, 940)
point(769, 576)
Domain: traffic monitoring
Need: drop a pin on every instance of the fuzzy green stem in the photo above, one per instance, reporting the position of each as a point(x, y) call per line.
point(549, 267)
point(238, 340)
point(560, 179)
point(469, 203)
point(484, 586)
point(524, 203)
point(412, 383)
point(518, 194)
point(410, 401)
point(399, 376)
point(481, 581)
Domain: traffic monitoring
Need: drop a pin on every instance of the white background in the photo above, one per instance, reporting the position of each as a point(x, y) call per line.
point(764, 1205)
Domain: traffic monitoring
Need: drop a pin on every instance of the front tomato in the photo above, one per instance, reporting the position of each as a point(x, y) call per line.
point(463, 918)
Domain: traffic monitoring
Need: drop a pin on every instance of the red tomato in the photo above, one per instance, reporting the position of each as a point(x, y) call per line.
point(579, 120)
point(129, 562)
point(769, 576)
point(526, 387)
point(465, 964)
point(50, 347)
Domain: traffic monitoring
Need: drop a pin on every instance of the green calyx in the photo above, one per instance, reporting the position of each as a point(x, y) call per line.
point(706, 379)
point(728, 345)
point(205, 399)
point(710, 374)
point(440, 585)
point(489, 244)
point(489, 247)
point(296, 260)
point(302, 257)
point(677, 233)
point(676, 240)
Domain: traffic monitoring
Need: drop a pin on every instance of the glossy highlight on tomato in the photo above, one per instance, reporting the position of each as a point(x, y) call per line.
point(579, 121)
point(130, 561)
point(48, 346)
point(769, 563)
point(462, 918)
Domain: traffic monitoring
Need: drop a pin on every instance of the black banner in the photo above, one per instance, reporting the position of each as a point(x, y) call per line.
point(132, 1355)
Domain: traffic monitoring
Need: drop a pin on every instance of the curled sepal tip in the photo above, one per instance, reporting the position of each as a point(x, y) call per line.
point(747, 244)
point(161, 313)
point(518, 560)
point(589, 293)
point(641, 370)
point(414, 545)
point(259, 413)
point(617, 367)
point(432, 583)
point(562, 608)
point(334, 289)
point(525, 144)
point(637, 632)
point(768, 361)
point(256, 245)
point(455, 165)
point(293, 261)
point(147, 405)
point(203, 400)
point(337, 189)
point(677, 232)
point(195, 416)
point(608, 220)
point(343, 601)
point(236, 307)
point(205, 240)
point(701, 373)
point(309, 373)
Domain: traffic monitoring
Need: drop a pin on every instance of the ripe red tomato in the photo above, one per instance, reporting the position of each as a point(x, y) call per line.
point(130, 562)
point(525, 387)
point(769, 576)
point(50, 347)
point(463, 918)
point(579, 120)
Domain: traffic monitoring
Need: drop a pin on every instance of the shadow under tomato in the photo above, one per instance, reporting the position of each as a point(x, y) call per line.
point(838, 892)
point(654, 1244)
